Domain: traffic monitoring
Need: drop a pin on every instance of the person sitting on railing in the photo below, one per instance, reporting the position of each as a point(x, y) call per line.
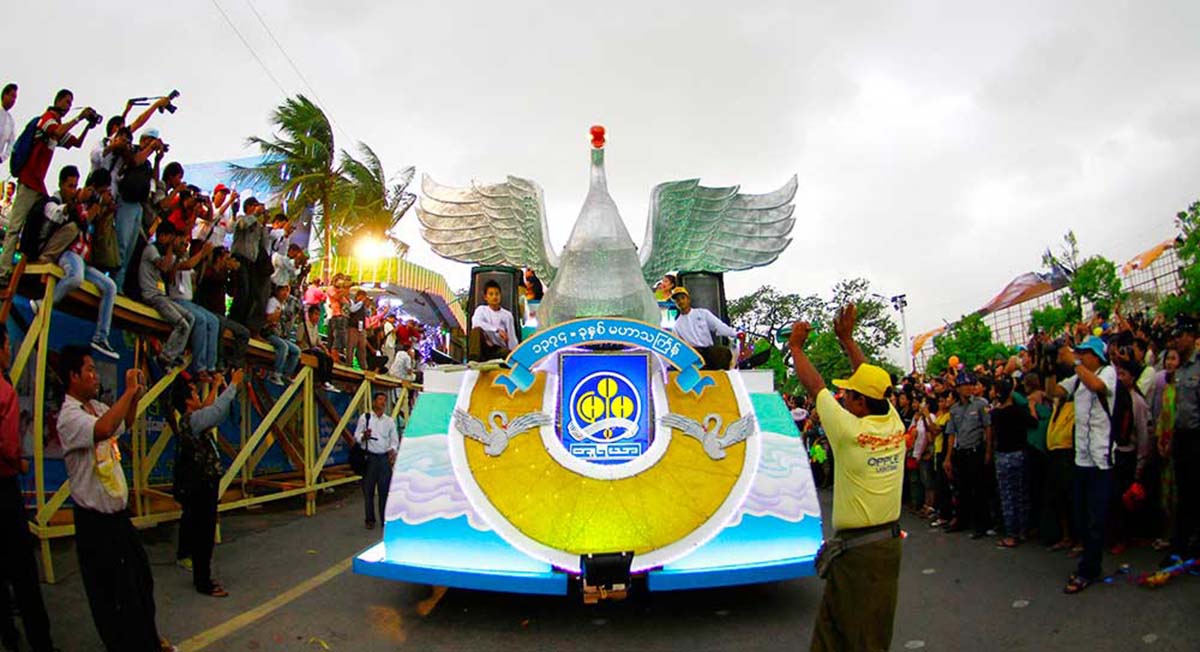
point(157, 261)
point(280, 318)
point(210, 294)
point(198, 474)
point(206, 327)
point(73, 212)
point(309, 340)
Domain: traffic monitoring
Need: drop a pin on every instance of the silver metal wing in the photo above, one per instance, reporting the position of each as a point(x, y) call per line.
point(471, 428)
point(527, 422)
point(687, 426)
point(500, 224)
point(737, 431)
point(694, 228)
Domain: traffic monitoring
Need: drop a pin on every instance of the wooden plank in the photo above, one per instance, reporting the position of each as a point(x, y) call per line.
point(262, 430)
point(365, 387)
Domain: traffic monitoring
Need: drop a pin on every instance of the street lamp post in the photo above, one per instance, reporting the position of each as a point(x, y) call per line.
point(900, 302)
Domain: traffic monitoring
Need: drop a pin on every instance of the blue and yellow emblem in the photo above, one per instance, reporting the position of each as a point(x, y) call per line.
point(604, 406)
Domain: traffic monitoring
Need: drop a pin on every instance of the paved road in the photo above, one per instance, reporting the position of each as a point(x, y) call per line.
point(956, 594)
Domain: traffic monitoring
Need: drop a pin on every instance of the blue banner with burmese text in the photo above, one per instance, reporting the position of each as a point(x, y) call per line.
point(581, 332)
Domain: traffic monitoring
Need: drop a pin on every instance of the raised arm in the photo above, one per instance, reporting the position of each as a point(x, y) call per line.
point(805, 371)
point(843, 327)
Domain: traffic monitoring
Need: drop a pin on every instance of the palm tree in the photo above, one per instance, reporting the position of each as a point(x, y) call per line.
point(368, 205)
point(342, 196)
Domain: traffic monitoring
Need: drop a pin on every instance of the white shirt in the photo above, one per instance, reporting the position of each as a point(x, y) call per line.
point(182, 287)
point(213, 231)
point(698, 326)
point(8, 134)
point(402, 366)
point(285, 269)
point(76, 432)
point(1093, 426)
point(491, 322)
point(384, 437)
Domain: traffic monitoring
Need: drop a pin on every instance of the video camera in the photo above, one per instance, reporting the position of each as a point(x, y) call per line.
point(90, 116)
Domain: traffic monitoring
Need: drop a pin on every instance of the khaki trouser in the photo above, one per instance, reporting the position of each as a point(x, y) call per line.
point(860, 599)
point(23, 201)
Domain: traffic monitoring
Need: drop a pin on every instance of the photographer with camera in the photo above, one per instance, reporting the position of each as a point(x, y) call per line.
point(70, 246)
point(112, 562)
point(134, 190)
point(30, 160)
point(116, 148)
point(377, 434)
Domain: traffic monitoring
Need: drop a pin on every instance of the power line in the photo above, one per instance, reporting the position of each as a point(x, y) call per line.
point(296, 69)
point(254, 54)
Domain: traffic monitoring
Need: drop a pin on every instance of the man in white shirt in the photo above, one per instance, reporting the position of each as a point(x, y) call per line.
point(8, 128)
point(1094, 387)
point(697, 326)
point(378, 436)
point(498, 333)
point(112, 562)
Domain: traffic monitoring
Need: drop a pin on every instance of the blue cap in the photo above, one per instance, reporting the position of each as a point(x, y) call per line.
point(151, 133)
point(1094, 345)
point(965, 378)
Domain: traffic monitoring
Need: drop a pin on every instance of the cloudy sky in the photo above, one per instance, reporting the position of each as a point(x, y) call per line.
point(940, 146)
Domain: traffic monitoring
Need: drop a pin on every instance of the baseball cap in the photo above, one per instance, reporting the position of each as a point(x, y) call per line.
point(1094, 345)
point(680, 290)
point(965, 378)
point(219, 188)
point(151, 133)
point(868, 380)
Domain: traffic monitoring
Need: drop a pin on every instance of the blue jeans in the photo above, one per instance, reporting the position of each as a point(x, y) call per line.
point(206, 332)
point(287, 355)
point(74, 271)
point(1093, 492)
point(128, 223)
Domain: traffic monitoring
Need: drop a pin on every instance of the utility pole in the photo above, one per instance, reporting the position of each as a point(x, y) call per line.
point(900, 302)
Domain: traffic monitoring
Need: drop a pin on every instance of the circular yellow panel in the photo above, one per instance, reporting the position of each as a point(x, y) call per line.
point(566, 511)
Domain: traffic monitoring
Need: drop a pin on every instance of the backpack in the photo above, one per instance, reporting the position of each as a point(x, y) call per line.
point(37, 230)
point(134, 186)
point(23, 146)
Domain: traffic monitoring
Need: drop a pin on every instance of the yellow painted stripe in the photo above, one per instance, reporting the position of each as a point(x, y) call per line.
point(207, 638)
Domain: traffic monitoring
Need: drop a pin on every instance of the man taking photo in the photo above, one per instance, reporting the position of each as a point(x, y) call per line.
point(52, 133)
point(861, 563)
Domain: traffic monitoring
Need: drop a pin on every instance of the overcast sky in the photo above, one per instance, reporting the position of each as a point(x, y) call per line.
point(940, 146)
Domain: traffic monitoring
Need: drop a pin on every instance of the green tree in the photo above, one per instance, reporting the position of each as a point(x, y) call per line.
point(971, 340)
point(1187, 247)
point(372, 205)
point(1054, 319)
point(767, 312)
point(1096, 280)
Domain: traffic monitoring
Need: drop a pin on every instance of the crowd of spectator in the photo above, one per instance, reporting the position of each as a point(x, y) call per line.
point(135, 226)
point(1087, 442)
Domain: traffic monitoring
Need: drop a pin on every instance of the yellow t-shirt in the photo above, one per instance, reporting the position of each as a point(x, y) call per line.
point(868, 464)
point(941, 421)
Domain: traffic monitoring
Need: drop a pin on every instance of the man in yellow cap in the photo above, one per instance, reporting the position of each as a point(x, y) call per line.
point(861, 563)
point(698, 326)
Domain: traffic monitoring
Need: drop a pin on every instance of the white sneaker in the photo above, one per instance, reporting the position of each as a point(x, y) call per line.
point(35, 305)
point(102, 347)
point(329, 387)
point(275, 378)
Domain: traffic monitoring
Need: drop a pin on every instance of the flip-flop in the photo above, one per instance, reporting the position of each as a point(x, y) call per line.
point(215, 590)
point(1075, 585)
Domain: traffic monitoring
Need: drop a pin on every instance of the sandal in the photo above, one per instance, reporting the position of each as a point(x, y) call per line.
point(215, 590)
point(1076, 584)
point(1065, 544)
point(1007, 542)
point(1075, 552)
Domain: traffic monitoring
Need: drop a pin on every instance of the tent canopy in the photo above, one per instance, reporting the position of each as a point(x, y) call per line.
point(424, 293)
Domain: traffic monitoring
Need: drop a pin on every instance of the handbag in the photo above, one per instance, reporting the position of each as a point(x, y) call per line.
point(106, 256)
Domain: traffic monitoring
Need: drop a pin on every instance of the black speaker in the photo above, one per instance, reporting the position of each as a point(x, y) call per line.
point(707, 290)
point(512, 287)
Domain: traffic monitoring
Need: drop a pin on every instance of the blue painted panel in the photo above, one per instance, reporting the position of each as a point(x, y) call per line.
point(773, 415)
point(449, 552)
point(431, 415)
point(759, 549)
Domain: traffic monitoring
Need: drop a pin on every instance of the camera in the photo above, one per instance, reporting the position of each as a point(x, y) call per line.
point(91, 117)
point(170, 107)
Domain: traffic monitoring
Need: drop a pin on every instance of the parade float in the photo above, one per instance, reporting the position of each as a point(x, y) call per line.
point(599, 455)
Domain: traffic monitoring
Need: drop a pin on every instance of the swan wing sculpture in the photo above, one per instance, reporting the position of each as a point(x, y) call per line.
point(499, 224)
